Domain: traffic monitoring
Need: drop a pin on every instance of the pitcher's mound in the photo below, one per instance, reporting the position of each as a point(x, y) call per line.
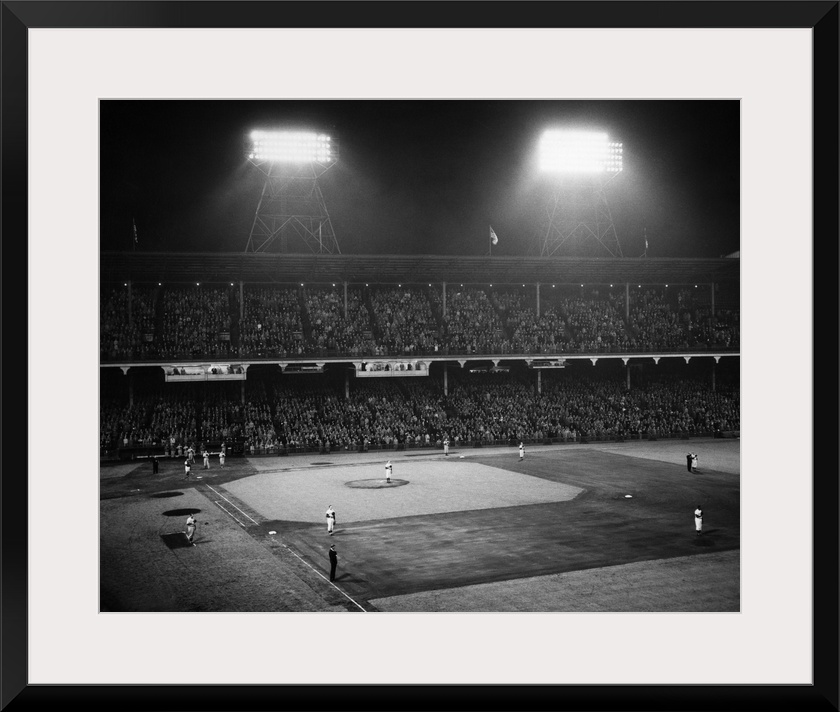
point(375, 484)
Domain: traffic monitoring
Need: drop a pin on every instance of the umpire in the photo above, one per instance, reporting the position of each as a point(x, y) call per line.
point(333, 562)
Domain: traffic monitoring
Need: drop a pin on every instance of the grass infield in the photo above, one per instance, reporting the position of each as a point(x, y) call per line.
point(485, 532)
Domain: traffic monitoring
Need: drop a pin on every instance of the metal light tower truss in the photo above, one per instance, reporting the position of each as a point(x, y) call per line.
point(291, 212)
point(578, 221)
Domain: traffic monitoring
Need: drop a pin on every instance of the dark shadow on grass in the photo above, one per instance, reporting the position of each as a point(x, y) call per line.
point(180, 512)
point(176, 540)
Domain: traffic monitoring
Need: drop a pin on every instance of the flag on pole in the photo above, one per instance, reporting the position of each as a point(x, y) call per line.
point(493, 237)
point(134, 225)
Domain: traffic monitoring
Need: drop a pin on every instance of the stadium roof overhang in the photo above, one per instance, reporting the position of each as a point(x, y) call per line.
point(410, 269)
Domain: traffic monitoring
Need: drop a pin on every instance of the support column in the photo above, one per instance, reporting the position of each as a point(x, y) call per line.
point(627, 368)
point(713, 302)
point(445, 380)
point(627, 300)
point(444, 301)
point(347, 385)
point(242, 389)
point(345, 300)
point(125, 369)
point(538, 300)
point(241, 300)
point(539, 382)
point(714, 373)
point(130, 322)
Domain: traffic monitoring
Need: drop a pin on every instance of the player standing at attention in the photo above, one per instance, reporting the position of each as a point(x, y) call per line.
point(186, 469)
point(446, 447)
point(206, 456)
point(521, 451)
point(190, 528)
point(388, 470)
point(330, 520)
point(222, 457)
point(698, 520)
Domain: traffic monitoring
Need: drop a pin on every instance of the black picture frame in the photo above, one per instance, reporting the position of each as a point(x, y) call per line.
point(18, 17)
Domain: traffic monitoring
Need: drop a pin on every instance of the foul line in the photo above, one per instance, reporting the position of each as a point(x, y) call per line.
point(283, 545)
point(232, 505)
point(219, 505)
point(323, 577)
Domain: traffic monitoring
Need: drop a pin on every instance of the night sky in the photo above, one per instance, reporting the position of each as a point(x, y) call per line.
point(421, 176)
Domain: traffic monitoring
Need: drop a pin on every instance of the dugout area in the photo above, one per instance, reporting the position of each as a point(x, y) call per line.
point(486, 532)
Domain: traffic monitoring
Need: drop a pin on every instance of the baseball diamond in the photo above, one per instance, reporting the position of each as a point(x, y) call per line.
point(554, 532)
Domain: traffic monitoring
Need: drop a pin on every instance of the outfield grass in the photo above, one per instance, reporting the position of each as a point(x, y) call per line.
point(482, 533)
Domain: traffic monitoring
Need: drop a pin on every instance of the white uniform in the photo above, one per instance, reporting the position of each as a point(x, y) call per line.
point(330, 520)
point(446, 447)
point(190, 528)
point(698, 520)
point(222, 458)
point(521, 451)
point(186, 468)
point(206, 460)
point(693, 462)
point(388, 470)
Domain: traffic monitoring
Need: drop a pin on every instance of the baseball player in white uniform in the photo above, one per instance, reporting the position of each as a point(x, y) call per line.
point(446, 447)
point(698, 520)
point(186, 469)
point(191, 528)
point(206, 456)
point(694, 462)
point(388, 470)
point(222, 457)
point(521, 451)
point(330, 520)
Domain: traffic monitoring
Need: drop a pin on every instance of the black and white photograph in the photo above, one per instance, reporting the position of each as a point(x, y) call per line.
point(488, 328)
point(420, 356)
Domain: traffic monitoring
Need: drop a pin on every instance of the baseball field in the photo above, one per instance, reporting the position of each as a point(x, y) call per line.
point(573, 527)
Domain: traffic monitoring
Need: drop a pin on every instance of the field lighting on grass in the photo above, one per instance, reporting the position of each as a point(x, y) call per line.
point(576, 166)
point(291, 213)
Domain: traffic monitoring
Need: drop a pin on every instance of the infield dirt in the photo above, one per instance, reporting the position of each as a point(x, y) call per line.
point(483, 533)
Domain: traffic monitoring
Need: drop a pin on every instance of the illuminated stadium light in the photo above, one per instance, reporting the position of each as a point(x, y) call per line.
point(291, 214)
point(579, 152)
point(577, 166)
point(291, 147)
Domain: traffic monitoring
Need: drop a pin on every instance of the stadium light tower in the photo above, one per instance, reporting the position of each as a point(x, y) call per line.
point(578, 217)
point(291, 209)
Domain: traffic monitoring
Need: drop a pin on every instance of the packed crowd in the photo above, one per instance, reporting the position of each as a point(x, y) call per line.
point(271, 323)
point(288, 414)
point(332, 332)
point(382, 321)
point(529, 334)
point(595, 324)
point(653, 321)
point(472, 323)
point(405, 322)
point(125, 335)
point(195, 322)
